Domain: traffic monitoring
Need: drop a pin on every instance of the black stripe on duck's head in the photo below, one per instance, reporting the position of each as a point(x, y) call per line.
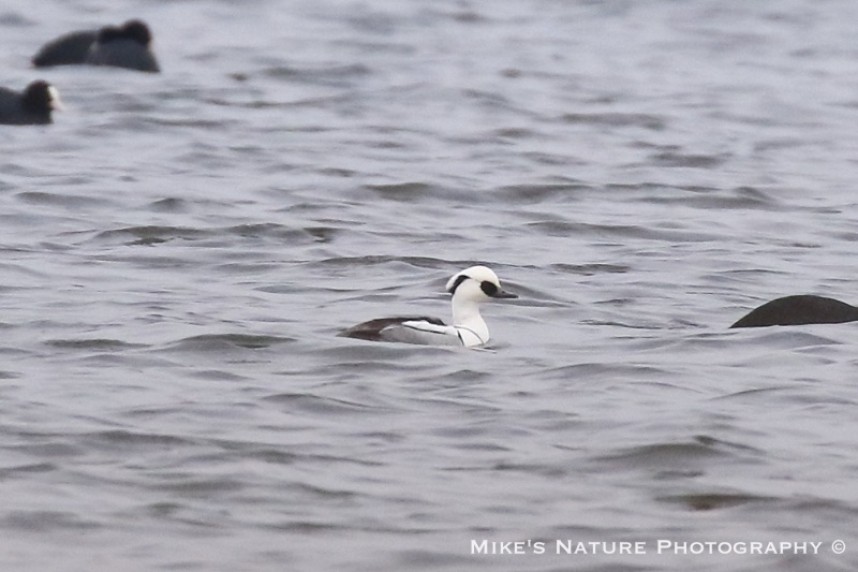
point(477, 283)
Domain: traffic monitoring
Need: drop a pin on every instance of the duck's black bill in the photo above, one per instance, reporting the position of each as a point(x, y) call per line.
point(504, 294)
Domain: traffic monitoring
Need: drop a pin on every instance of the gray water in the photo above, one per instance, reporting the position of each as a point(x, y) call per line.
point(180, 250)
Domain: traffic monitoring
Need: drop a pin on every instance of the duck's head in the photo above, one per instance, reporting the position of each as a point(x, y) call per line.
point(476, 284)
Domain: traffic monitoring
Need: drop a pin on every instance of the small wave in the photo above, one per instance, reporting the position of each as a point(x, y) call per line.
point(99, 344)
point(331, 75)
point(318, 404)
point(707, 198)
point(590, 269)
point(22, 471)
point(569, 228)
point(63, 199)
point(122, 438)
point(682, 454)
point(607, 371)
point(201, 487)
point(169, 205)
point(375, 260)
point(537, 193)
point(641, 120)
point(150, 234)
point(713, 501)
point(284, 233)
point(403, 192)
point(155, 234)
point(47, 521)
point(221, 342)
point(676, 159)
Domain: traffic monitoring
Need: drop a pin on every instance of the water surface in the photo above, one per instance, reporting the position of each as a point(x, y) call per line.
point(180, 250)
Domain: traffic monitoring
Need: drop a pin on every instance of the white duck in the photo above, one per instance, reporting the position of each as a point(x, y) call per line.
point(470, 288)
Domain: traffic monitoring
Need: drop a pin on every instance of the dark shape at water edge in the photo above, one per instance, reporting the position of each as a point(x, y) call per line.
point(798, 310)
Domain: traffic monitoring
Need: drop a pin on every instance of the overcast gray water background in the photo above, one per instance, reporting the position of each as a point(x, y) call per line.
point(180, 250)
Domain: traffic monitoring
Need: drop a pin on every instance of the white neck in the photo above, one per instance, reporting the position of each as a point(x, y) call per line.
point(473, 330)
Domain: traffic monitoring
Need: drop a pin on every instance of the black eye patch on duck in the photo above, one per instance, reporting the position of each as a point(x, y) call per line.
point(458, 281)
point(488, 288)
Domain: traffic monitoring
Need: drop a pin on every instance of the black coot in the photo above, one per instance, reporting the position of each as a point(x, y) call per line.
point(797, 310)
point(32, 107)
point(127, 46)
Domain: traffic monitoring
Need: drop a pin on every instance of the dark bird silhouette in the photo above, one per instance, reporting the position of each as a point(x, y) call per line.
point(797, 310)
point(127, 46)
